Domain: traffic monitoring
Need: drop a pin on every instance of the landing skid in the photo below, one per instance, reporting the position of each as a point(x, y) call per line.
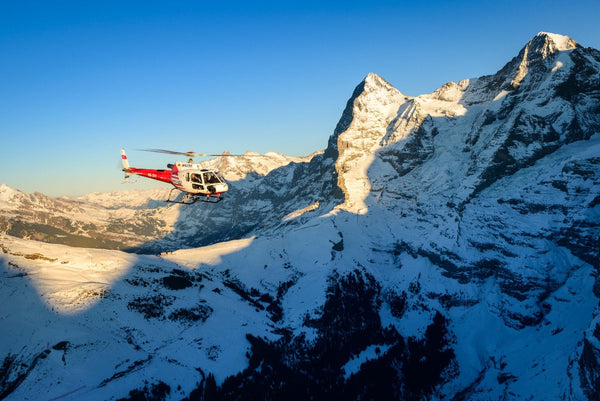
point(189, 199)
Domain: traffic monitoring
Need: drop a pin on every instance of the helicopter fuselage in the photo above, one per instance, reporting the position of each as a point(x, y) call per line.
point(190, 178)
point(193, 179)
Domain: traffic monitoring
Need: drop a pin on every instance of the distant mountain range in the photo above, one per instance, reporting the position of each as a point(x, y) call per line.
point(444, 246)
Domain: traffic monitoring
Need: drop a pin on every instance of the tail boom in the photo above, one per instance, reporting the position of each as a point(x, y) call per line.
point(160, 175)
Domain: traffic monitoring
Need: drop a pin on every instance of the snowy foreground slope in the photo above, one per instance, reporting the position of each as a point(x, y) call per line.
point(445, 246)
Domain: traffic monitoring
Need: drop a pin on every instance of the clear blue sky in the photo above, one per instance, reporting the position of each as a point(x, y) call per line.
point(79, 80)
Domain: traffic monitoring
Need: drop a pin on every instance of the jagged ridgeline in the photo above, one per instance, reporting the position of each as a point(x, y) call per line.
point(444, 246)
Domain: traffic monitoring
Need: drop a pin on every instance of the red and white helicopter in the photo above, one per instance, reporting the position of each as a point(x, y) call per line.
point(196, 183)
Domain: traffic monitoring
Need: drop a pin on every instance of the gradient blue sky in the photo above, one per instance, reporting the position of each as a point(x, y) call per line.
point(82, 79)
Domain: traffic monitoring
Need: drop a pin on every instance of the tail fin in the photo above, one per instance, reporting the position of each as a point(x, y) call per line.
point(126, 167)
point(124, 160)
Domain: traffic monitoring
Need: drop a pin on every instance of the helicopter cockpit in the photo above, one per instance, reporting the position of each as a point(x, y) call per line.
point(202, 180)
point(211, 178)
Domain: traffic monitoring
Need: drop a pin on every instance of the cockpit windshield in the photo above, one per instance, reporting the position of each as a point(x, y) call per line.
point(211, 178)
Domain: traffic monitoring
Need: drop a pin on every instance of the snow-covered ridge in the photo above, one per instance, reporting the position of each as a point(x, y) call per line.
point(133, 199)
point(237, 168)
point(126, 219)
point(383, 118)
point(6, 193)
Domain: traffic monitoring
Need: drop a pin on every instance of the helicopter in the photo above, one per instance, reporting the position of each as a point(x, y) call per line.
point(196, 183)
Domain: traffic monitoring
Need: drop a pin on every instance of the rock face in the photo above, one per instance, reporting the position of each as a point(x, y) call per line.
point(444, 246)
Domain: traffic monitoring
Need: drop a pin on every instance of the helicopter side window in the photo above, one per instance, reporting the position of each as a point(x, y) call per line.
point(197, 181)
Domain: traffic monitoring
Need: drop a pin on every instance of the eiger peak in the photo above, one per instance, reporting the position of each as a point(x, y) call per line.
point(553, 41)
point(373, 80)
point(545, 44)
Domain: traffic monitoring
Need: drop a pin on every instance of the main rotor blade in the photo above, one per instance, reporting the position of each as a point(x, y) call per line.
point(194, 154)
point(170, 152)
point(229, 154)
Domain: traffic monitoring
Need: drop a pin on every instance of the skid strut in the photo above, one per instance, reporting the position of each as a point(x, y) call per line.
point(189, 199)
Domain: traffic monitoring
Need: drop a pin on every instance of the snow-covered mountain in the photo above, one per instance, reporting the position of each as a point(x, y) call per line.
point(444, 246)
point(123, 219)
point(116, 220)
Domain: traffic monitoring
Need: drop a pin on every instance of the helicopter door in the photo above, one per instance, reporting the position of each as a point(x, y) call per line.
point(196, 181)
point(210, 178)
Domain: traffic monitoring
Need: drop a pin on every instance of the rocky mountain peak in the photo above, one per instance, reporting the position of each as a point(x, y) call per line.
point(372, 90)
point(5, 189)
point(373, 82)
point(540, 48)
point(372, 108)
point(545, 43)
point(451, 91)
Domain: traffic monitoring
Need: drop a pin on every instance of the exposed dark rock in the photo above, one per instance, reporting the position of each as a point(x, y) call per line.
point(589, 370)
point(150, 392)
point(151, 306)
point(200, 312)
point(294, 369)
point(415, 150)
point(14, 371)
point(176, 282)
